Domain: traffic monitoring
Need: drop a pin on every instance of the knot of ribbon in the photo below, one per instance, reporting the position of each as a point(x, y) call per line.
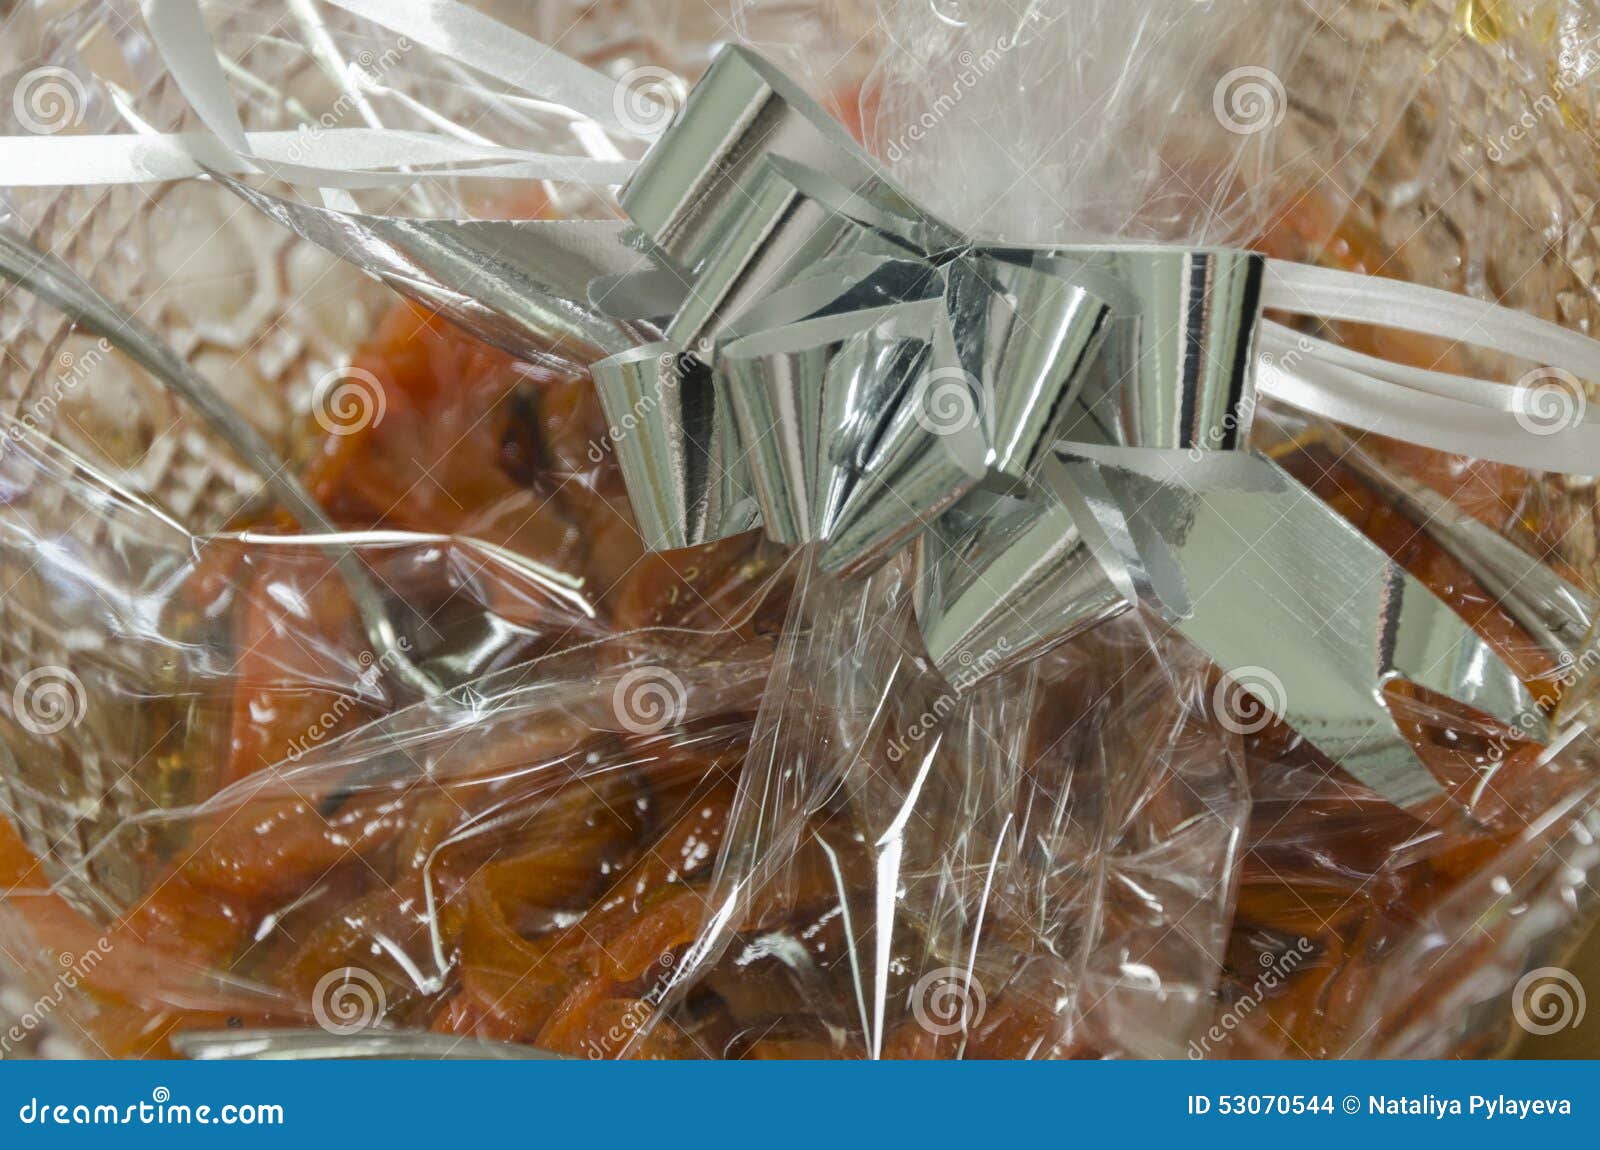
point(1061, 431)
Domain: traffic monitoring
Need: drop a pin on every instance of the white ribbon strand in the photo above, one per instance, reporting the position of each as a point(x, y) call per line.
point(329, 157)
point(490, 47)
point(1453, 413)
point(1447, 412)
point(355, 156)
point(1301, 289)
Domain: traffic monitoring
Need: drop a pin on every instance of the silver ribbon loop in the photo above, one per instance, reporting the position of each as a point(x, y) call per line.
point(677, 444)
point(1308, 615)
point(699, 178)
point(839, 407)
point(1030, 328)
point(1001, 580)
point(1179, 368)
point(1174, 373)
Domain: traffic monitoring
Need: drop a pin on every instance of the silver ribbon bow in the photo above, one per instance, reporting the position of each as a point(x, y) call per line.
point(790, 341)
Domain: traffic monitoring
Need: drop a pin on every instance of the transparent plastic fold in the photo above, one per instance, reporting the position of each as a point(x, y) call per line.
point(718, 803)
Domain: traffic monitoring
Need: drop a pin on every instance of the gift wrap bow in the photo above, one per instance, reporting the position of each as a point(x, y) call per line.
point(782, 337)
point(1061, 430)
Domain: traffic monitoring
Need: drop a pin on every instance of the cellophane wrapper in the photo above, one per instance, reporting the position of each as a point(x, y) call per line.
point(715, 803)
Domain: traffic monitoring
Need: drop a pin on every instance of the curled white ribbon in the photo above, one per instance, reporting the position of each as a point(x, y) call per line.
point(1455, 413)
point(335, 157)
point(488, 46)
point(354, 157)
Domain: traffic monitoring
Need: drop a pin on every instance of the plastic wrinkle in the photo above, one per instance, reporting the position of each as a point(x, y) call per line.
point(716, 802)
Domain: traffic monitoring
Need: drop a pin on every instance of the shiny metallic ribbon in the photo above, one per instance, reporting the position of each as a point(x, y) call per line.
point(1062, 430)
point(783, 337)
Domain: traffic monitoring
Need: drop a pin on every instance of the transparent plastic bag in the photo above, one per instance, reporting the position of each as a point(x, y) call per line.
point(716, 803)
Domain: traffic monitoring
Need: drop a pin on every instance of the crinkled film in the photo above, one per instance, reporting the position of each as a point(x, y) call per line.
point(719, 802)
